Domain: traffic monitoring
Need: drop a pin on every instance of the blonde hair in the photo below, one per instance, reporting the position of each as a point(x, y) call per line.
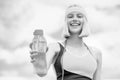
point(85, 29)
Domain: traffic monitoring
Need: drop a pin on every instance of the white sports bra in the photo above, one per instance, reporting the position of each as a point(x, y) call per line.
point(84, 64)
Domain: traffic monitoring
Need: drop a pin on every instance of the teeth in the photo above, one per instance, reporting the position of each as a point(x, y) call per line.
point(75, 24)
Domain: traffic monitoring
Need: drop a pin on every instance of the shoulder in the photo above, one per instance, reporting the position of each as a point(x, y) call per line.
point(97, 53)
point(54, 46)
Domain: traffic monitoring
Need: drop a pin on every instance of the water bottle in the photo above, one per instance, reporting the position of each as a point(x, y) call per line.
point(39, 45)
point(39, 41)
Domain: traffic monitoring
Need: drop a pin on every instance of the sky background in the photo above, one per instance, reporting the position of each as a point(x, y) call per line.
point(19, 18)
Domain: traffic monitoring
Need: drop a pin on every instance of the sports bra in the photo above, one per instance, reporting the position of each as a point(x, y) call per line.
point(70, 67)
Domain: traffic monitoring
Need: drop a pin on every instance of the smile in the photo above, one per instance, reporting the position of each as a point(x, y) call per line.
point(75, 24)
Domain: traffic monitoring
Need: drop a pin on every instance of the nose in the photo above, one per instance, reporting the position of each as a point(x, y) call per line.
point(74, 21)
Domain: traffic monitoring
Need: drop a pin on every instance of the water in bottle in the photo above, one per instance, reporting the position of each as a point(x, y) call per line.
point(39, 45)
point(39, 41)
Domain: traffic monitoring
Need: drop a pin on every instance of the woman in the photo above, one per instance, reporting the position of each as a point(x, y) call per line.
point(72, 58)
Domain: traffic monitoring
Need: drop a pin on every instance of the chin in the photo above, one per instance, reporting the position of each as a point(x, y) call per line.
point(74, 31)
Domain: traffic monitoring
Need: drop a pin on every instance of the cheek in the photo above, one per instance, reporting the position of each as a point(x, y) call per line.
point(68, 22)
point(83, 21)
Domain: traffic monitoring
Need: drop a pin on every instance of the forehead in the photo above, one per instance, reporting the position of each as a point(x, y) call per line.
point(75, 12)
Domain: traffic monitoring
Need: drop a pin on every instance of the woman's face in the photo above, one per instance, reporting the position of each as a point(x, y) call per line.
point(75, 21)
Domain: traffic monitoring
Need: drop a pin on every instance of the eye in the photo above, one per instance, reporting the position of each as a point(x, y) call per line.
point(70, 16)
point(79, 16)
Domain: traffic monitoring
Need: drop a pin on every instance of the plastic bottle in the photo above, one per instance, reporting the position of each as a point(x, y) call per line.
point(39, 41)
point(39, 45)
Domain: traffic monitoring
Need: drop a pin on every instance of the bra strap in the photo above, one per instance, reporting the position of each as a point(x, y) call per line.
point(91, 51)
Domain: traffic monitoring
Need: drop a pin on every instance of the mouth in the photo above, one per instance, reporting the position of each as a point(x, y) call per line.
point(75, 24)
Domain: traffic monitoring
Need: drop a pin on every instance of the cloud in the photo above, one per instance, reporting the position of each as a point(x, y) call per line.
point(64, 3)
point(100, 21)
point(12, 15)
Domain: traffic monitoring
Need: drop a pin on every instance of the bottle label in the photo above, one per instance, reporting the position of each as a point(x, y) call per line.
point(39, 45)
point(42, 47)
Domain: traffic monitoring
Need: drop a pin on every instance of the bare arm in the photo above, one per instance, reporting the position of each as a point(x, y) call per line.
point(54, 49)
point(97, 74)
point(43, 62)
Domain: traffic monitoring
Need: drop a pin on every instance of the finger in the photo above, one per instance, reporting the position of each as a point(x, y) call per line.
point(32, 60)
point(47, 49)
point(33, 55)
point(33, 52)
point(30, 45)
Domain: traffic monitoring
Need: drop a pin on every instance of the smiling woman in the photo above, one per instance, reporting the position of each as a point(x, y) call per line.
point(76, 16)
point(75, 22)
point(72, 58)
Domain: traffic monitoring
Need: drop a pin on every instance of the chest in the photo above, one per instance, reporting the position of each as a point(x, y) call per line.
point(78, 52)
point(78, 61)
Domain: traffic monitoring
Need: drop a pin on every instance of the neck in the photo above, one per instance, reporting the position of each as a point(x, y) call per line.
point(75, 41)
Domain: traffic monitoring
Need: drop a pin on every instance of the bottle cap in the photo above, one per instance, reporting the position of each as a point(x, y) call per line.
point(38, 32)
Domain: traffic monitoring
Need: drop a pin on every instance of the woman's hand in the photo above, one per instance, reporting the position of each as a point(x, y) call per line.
point(38, 60)
point(33, 54)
